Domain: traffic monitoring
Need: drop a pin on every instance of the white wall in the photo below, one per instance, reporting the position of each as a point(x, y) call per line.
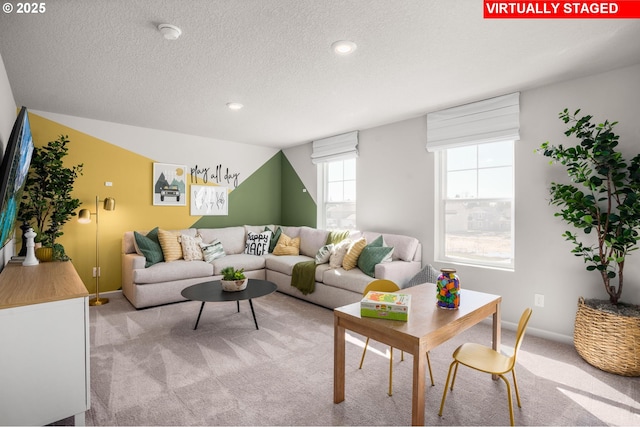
point(396, 194)
point(7, 118)
point(300, 158)
point(170, 147)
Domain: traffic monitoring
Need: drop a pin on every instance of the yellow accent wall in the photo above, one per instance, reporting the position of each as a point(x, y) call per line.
point(131, 178)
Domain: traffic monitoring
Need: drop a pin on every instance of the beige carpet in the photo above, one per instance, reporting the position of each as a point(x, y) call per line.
point(149, 367)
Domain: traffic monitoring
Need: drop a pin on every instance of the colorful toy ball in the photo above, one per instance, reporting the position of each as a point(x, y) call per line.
point(448, 294)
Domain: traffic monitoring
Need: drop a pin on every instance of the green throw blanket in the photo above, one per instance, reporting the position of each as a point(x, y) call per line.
point(303, 275)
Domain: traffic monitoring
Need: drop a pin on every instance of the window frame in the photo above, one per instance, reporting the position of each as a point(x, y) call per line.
point(323, 188)
point(441, 199)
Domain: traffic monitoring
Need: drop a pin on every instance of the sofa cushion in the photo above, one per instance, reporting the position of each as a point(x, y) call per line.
point(284, 264)
point(338, 252)
point(311, 240)
point(287, 245)
point(212, 251)
point(170, 243)
point(355, 249)
point(353, 280)
point(275, 236)
point(336, 236)
point(257, 243)
point(169, 271)
point(324, 253)
point(257, 228)
point(320, 269)
point(427, 275)
point(291, 231)
point(377, 242)
point(372, 255)
point(404, 246)
point(191, 250)
point(149, 246)
point(232, 238)
point(238, 261)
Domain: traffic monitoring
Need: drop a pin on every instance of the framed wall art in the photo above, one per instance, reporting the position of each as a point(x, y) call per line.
point(169, 184)
point(209, 200)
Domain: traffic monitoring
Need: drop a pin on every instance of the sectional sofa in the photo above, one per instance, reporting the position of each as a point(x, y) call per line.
point(162, 282)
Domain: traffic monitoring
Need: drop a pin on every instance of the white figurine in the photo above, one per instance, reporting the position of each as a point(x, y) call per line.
point(31, 252)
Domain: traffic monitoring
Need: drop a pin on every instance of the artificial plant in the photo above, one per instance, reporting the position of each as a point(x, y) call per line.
point(602, 200)
point(230, 274)
point(47, 203)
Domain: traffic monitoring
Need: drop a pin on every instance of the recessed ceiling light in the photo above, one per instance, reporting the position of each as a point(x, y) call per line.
point(234, 105)
point(343, 47)
point(170, 32)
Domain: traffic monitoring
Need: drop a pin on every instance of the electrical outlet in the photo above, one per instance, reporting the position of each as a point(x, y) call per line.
point(539, 300)
point(96, 272)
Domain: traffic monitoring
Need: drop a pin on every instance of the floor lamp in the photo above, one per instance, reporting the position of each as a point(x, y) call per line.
point(84, 217)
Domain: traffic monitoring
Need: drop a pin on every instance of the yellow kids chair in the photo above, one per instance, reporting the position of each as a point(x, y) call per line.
point(382, 285)
point(486, 359)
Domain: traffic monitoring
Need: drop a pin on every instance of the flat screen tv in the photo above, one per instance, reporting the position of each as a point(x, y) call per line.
point(13, 174)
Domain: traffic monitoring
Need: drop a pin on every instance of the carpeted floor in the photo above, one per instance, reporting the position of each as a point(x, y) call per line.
point(149, 367)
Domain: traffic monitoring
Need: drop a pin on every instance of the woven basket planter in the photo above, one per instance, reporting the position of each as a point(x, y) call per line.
point(608, 341)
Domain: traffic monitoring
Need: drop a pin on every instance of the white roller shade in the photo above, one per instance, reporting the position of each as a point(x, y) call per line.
point(491, 120)
point(339, 147)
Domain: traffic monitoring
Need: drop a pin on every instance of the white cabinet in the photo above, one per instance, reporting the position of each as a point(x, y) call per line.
point(44, 344)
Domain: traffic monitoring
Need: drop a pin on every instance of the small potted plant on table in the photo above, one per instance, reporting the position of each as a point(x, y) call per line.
point(233, 280)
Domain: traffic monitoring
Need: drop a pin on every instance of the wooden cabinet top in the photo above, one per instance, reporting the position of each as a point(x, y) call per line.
point(45, 282)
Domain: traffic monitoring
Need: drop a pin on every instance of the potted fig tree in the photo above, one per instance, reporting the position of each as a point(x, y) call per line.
point(602, 204)
point(46, 202)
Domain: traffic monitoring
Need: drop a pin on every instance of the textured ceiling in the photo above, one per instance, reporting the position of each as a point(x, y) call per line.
point(106, 60)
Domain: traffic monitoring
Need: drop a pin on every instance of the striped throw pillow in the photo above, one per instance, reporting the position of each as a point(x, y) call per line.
point(350, 260)
point(170, 243)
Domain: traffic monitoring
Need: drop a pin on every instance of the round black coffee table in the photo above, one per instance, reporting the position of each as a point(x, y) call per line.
point(212, 292)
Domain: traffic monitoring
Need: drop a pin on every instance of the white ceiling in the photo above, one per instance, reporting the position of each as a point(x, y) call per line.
point(106, 60)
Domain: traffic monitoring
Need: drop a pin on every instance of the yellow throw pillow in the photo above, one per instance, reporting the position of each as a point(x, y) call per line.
point(170, 244)
point(351, 258)
point(287, 246)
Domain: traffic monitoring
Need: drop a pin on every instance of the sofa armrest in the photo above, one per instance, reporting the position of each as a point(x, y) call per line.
point(130, 262)
point(399, 272)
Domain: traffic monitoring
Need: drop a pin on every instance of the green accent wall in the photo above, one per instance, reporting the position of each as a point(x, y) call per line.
point(255, 201)
point(298, 207)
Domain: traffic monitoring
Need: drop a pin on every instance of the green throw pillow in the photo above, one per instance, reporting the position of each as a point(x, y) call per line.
point(372, 255)
point(150, 247)
point(275, 235)
point(337, 236)
point(377, 242)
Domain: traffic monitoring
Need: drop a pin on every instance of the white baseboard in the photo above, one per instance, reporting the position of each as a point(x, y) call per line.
point(541, 333)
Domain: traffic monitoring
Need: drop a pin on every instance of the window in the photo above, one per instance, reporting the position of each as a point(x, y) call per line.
point(338, 207)
point(335, 158)
point(475, 222)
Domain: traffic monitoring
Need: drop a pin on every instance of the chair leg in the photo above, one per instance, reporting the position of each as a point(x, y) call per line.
point(364, 352)
point(454, 376)
point(430, 372)
point(444, 394)
point(515, 385)
point(402, 355)
point(390, 371)
point(508, 398)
